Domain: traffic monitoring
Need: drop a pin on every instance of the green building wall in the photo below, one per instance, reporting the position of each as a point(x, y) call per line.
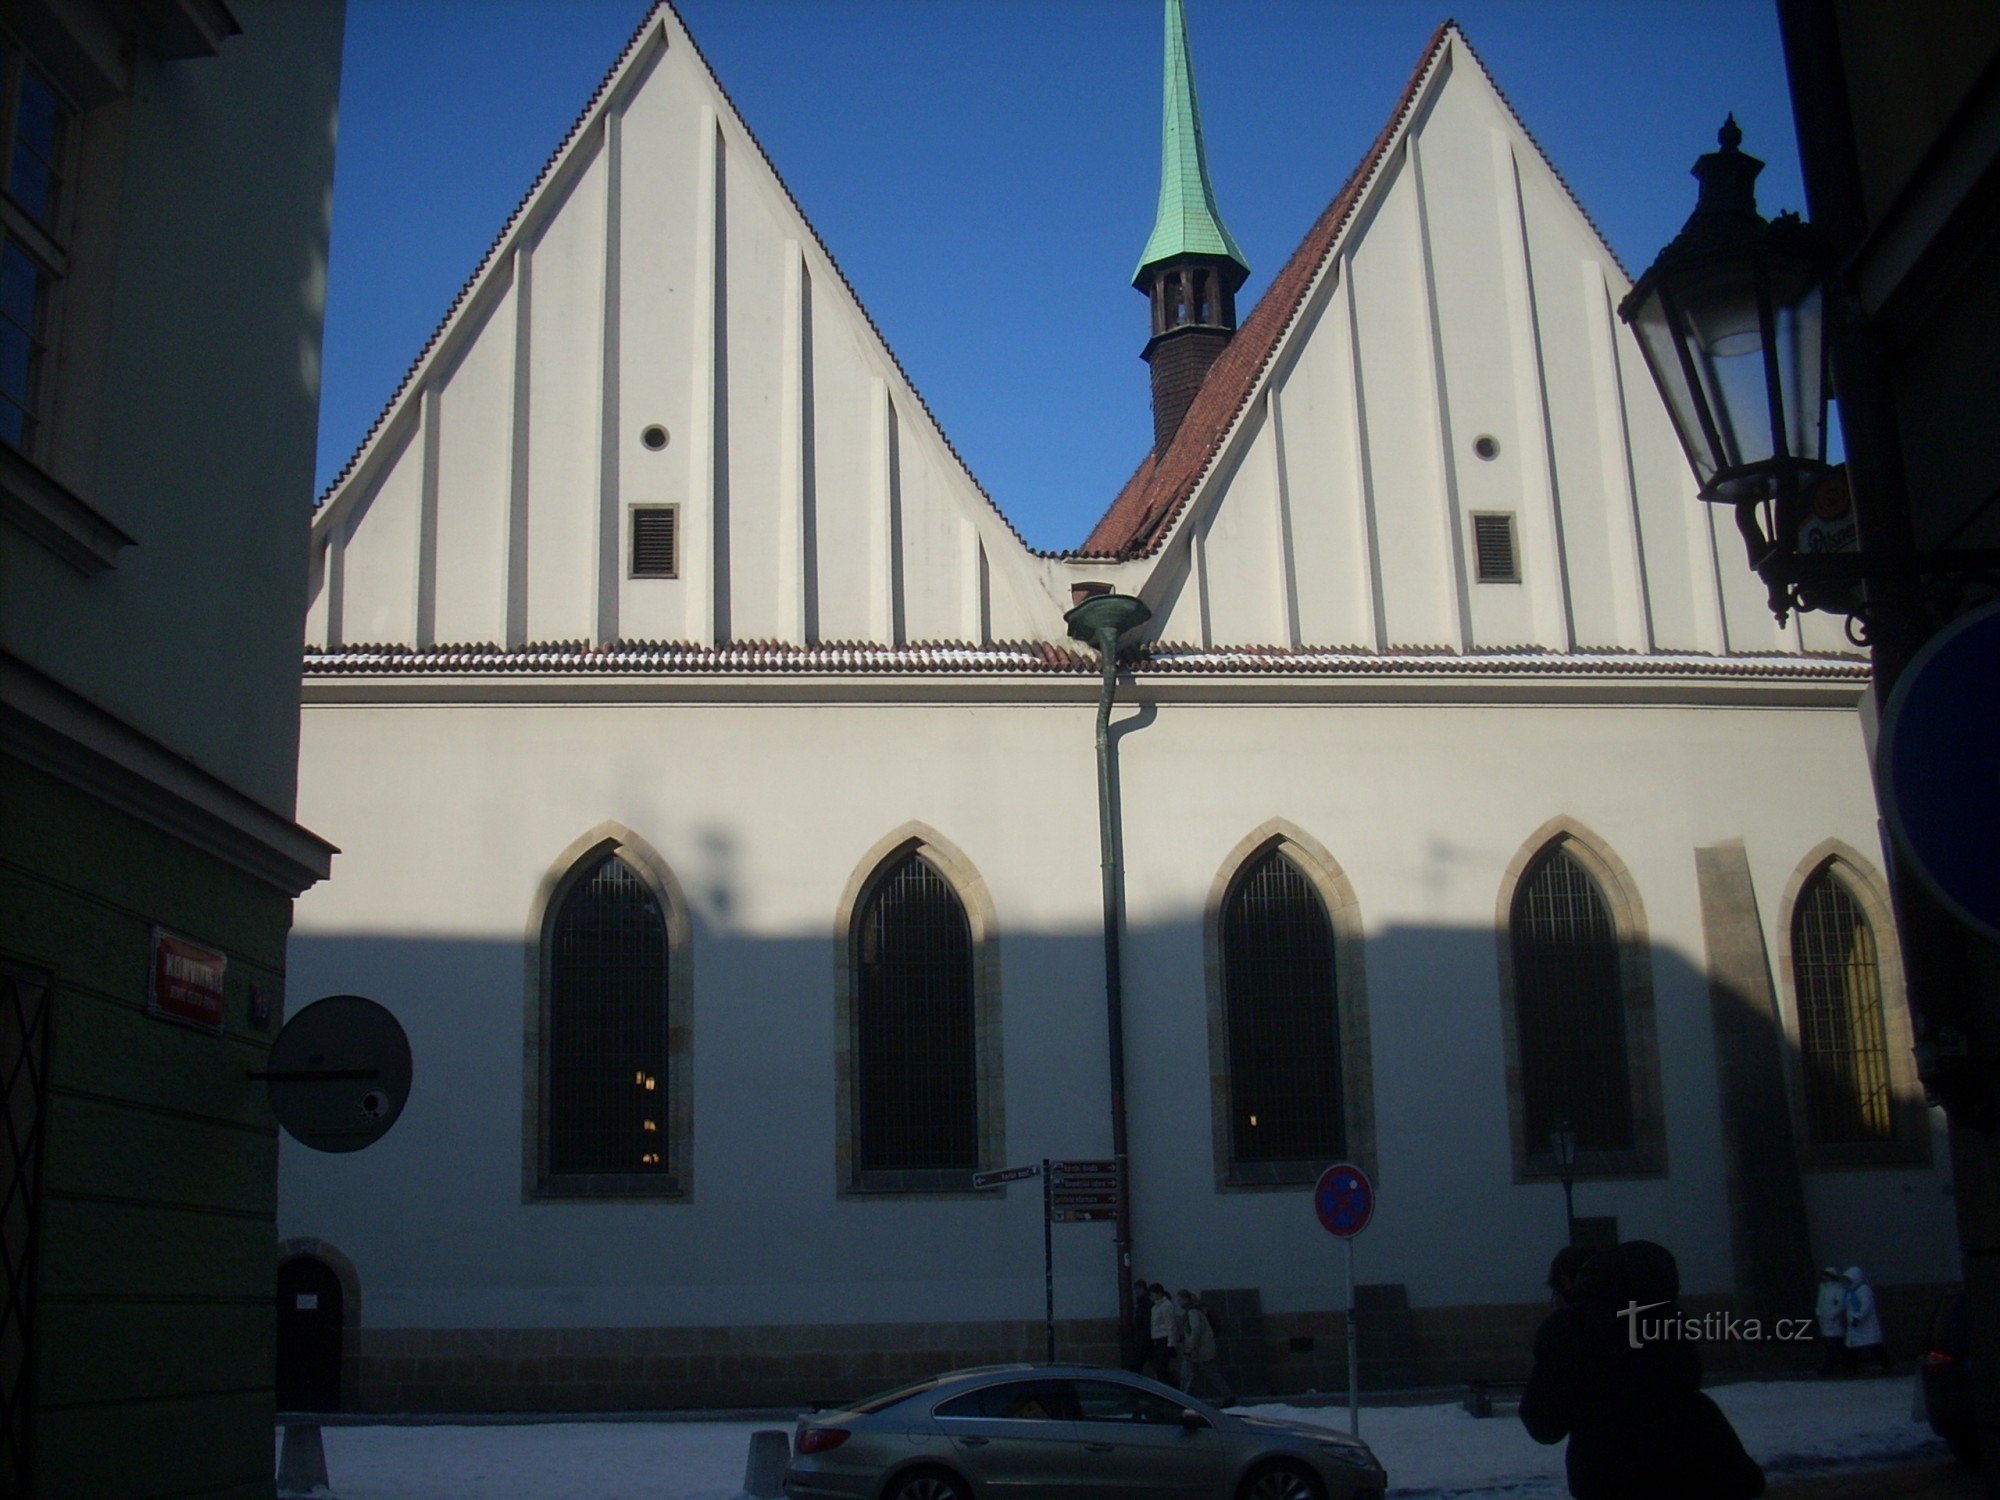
point(154, 1320)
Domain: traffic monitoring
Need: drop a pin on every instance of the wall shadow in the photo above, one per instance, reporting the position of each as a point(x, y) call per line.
point(766, 1282)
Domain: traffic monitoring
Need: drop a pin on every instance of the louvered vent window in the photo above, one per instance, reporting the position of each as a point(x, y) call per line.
point(656, 541)
point(1285, 1091)
point(1570, 1009)
point(607, 1027)
point(1846, 1053)
point(1493, 541)
point(915, 1073)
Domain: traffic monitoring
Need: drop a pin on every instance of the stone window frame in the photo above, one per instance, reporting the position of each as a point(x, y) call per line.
point(1350, 982)
point(335, 1260)
point(988, 1078)
point(1911, 1145)
point(538, 1184)
point(1534, 1161)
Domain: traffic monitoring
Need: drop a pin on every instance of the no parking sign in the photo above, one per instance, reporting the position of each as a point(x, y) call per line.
point(1344, 1200)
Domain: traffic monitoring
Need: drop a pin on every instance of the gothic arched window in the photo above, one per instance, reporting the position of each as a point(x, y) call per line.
point(606, 1105)
point(1842, 1040)
point(1569, 1009)
point(1286, 1095)
point(916, 1103)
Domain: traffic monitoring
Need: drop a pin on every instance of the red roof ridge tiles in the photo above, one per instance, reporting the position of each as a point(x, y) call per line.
point(657, 658)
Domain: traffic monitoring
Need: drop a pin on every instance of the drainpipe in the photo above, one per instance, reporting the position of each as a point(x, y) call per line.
point(1100, 617)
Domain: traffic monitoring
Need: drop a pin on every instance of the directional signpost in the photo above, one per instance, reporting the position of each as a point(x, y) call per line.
point(1344, 1201)
point(1073, 1192)
point(1081, 1192)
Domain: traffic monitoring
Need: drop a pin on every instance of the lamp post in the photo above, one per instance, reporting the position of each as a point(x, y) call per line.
point(1101, 617)
point(1562, 1146)
point(1731, 320)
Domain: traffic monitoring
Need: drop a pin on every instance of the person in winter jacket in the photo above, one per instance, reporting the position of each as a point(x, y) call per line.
point(1142, 1320)
point(1198, 1347)
point(1166, 1328)
point(1613, 1376)
point(1864, 1325)
point(1831, 1310)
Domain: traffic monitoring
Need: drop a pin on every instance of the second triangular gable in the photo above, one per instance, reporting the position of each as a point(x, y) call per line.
point(1451, 371)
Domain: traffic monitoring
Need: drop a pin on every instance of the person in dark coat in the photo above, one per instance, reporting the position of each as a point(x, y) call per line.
point(1613, 1376)
point(1142, 1317)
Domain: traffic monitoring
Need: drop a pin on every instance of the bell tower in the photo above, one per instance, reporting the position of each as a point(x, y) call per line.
point(1191, 267)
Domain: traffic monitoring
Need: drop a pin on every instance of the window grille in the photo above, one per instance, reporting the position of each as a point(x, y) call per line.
point(607, 1027)
point(1569, 1007)
point(656, 541)
point(1841, 1033)
point(915, 1075)
point(23, 1094)
point(1493, 543)
point(1285, 1088)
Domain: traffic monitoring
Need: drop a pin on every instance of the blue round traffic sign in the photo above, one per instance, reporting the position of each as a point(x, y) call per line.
point(1344, 1200)
point(1936, 770)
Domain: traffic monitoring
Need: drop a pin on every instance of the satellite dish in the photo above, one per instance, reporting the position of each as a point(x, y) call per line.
point(339, 1073)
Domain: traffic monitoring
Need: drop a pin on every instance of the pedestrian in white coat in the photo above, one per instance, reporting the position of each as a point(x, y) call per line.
point(1864, 1325)
point(1166, 1330)
point(1831, 1309)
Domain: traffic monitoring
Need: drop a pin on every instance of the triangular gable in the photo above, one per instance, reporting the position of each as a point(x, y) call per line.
point(1432, 433)
point(659, 325)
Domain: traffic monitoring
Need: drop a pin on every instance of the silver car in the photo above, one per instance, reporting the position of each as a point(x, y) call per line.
point(1067, 1432)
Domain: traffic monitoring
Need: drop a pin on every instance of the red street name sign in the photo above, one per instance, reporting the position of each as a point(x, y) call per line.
point(185, 984)
point(1003, 1174)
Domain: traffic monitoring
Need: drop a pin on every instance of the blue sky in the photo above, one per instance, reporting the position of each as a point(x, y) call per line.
point(985, 171)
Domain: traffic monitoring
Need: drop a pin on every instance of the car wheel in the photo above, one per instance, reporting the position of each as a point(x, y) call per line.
point(927, 1484)
point(1279, 1482)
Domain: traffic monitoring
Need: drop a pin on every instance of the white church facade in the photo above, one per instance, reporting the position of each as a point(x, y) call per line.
point(714, 776)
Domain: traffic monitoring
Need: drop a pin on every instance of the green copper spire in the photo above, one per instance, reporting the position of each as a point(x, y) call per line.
point(1188, 221)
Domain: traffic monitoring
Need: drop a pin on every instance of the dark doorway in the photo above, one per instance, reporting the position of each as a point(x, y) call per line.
point(310, 1305)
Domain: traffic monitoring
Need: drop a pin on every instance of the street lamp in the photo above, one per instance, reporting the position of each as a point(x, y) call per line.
point(1562, 1146)
point(1731, 319)
point(1101, 617)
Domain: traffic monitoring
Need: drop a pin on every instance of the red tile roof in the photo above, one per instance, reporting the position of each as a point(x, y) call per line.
point(1156, 494)
point(1139, 518)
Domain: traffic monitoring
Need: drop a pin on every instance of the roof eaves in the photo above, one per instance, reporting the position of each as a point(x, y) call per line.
point(959, 658)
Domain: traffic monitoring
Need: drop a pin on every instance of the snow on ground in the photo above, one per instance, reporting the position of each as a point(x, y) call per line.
point(1434, 1452)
